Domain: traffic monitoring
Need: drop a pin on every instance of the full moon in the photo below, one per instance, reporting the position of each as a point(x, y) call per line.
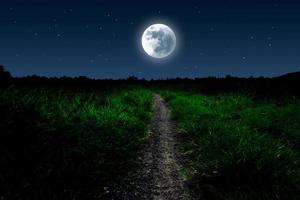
point(159, 41)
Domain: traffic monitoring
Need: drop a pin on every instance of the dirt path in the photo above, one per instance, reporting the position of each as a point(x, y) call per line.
point(160, 177)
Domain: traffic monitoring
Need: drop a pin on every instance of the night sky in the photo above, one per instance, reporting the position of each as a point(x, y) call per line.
point(102, 39)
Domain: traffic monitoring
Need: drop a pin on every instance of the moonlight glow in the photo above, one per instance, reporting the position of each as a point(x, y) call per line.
point(159, 41)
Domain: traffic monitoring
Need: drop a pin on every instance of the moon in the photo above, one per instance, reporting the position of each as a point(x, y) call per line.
point(159, 41)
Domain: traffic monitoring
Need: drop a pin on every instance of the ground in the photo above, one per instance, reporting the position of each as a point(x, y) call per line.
point(160, 167)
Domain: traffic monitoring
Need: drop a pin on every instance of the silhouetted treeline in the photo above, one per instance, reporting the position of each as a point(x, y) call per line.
point(281, 86)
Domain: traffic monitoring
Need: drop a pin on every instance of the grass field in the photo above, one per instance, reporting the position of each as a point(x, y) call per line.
point(239, 148)
point(74, 144)
point(60, 144)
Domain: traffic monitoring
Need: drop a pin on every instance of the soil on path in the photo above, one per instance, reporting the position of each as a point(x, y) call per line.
point(160, 175)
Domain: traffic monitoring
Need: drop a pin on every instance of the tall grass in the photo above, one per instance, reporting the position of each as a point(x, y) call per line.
point(239, 148)
point(68, 145)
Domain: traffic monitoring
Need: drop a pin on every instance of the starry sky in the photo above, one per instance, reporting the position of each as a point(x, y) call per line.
point(102, 39)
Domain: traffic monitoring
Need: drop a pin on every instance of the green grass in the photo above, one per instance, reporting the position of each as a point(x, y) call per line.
point(68, 145)
point(239, 148)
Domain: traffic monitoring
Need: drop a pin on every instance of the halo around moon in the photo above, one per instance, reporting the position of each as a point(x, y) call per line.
point(159, 41)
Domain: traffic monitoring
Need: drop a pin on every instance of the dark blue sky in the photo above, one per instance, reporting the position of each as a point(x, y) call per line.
point(101, 39)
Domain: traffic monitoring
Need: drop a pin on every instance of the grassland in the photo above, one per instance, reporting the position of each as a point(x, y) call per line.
point(60, 144)
point(237, 147)
point(77, 144)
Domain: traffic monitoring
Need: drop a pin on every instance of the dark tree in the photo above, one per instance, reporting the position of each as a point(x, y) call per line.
point(4, 75)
